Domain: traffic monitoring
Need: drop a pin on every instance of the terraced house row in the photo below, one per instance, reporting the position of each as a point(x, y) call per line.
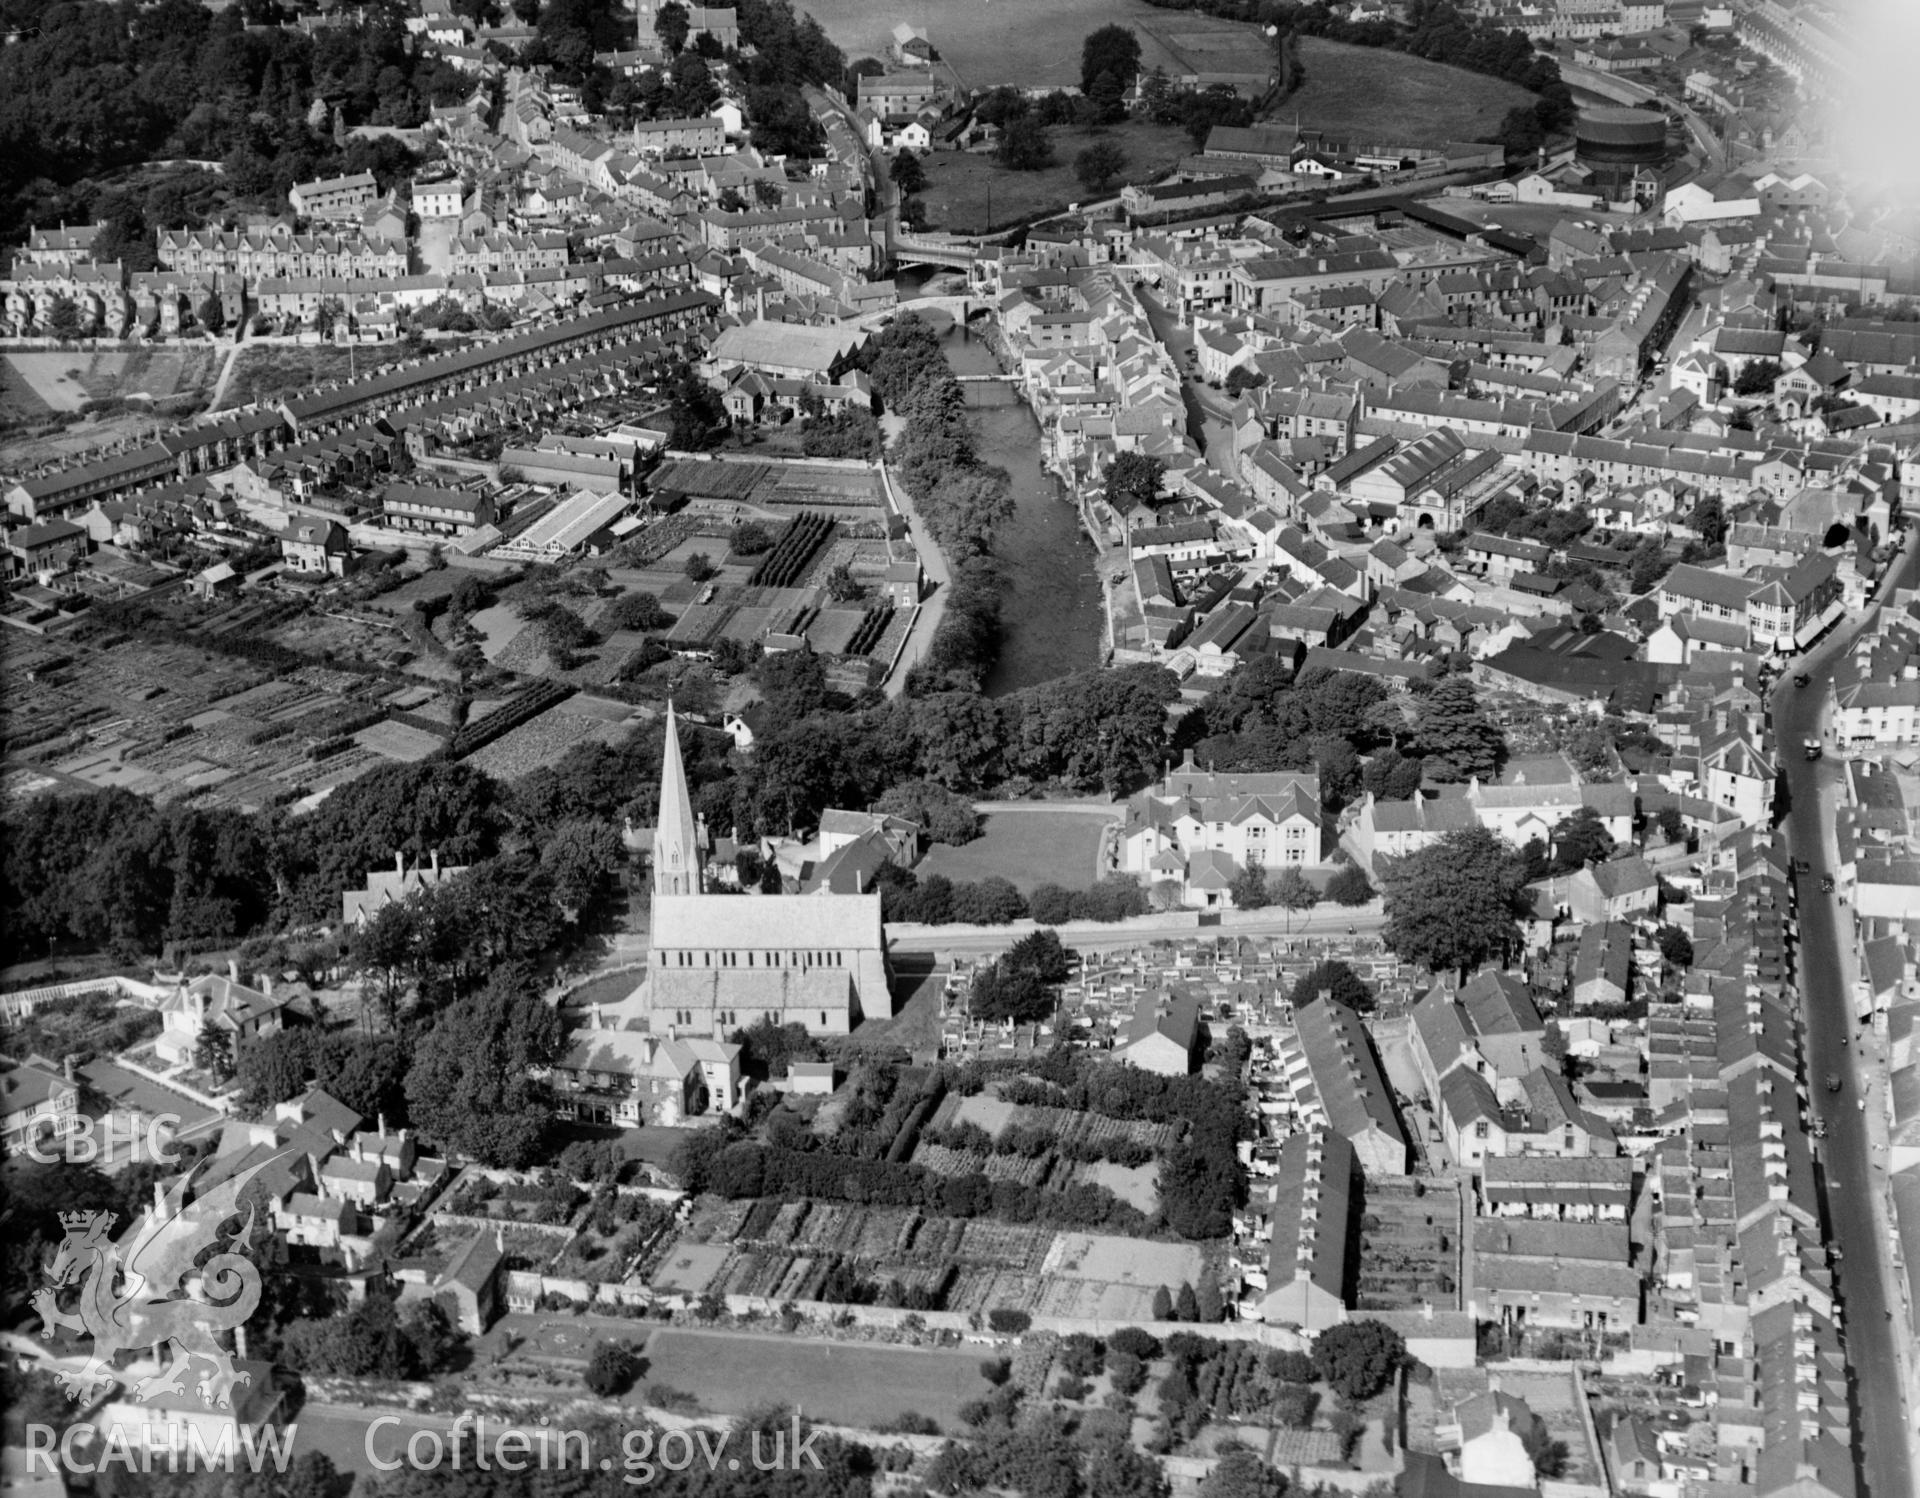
point(467, 376)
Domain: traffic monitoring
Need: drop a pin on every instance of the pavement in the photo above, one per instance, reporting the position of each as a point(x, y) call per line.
point(1858, 1214)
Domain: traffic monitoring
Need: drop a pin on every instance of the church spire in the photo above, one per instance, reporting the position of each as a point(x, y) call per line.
point(676, 841)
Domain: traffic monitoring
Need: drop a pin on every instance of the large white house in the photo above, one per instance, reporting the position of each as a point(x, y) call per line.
point(216, 1003)
point(1199, 829)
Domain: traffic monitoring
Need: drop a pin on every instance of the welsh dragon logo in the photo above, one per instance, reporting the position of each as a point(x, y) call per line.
point(132, 1296)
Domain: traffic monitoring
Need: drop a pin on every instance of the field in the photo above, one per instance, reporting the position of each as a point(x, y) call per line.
point(63, 380)
point(1017, 41)
point(267, 371)
point(1369, 96)
point(958, 182)
point(544, 739)
point(18, 400)
point(853, 1383)
point(1030, 847)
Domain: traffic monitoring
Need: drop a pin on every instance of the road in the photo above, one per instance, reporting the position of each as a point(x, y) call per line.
point(1321, 921)
point(1854, 1181)
point(939, 582)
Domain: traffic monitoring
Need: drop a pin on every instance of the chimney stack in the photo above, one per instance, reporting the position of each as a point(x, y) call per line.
point(233, 969)
point(400, 862)
point(436, 863)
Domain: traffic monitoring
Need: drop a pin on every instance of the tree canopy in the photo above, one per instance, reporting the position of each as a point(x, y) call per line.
point(1452, 904)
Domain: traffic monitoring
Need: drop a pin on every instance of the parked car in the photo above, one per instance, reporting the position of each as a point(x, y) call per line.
point(1800, 678)
point(1826, 884)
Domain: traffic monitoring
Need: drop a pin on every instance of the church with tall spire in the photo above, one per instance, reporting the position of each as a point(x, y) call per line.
point(717, 963)
point(679, 846)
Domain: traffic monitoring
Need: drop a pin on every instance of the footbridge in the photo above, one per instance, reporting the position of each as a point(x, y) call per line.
point(912, 249)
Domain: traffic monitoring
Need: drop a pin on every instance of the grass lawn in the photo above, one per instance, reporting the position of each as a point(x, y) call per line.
point(1370, 96)
point(838, 1382)
point(958, 182)
point(1029, 847)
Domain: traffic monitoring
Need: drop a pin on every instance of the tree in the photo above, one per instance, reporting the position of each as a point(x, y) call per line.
point(750, 539)
point(1675, 945)
point(1332, 979)
point(214, 1053)
point(906, 171)
point(63, 318)
point(1016, 994)
point(578, 856)
point(1040, 953)
point(1211, 1306)
point(671, 24)
point(610, 1369)
point(699, 567)
point(1454, 736)
point(273, 1068)
point(1186, 1305)
point(1550, 1457)
point(1648, 564)
point(1162, 1305)
point(1452, 904)
point(1241, 1474)
point(947, 818)
point(1292, 890)
point(1009, 1321)
point(638, 611)
point(1249, 888)
point(1134, 479)
point(1024, 146)
point(471, 1088)
point(1580, 838)
point(1357, 1358)
point(211, 313)
point(1127, 1373)
point(1349, 886)
point(1708, 520)
point(1113, 50)
point(1757, 377)
point(843, 586)
point(1099, 164)
point(1116, 1470)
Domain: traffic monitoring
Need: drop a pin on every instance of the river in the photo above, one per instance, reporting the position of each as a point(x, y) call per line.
point(1052, 620)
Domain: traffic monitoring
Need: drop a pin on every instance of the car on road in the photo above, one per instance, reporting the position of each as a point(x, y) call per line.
point(1801, 679)
point(1800, 866)
point(1826, 884)
point(1833, 1081)
point(1819, 1128)
point(1813, 749)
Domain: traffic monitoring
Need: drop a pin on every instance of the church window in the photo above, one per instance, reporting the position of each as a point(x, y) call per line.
point(823, 1019)
point(707, 959)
